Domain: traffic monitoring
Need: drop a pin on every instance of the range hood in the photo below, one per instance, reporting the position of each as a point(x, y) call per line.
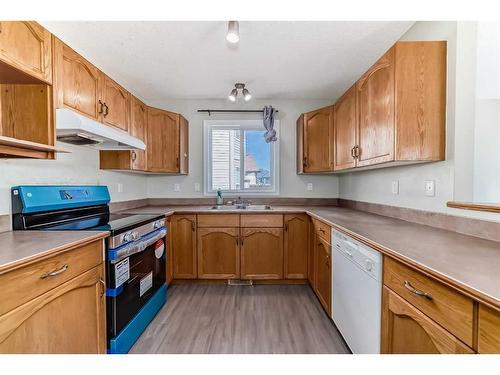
point(71, 127)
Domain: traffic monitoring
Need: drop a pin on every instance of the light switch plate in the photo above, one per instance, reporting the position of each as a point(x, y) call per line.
point(196, 186)
point(395, 187)
point(177, 187)
point(309, 187)
point(430, 189)
point(120, 188)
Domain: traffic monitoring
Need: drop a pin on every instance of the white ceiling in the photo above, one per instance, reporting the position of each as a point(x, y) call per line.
point(192, 60)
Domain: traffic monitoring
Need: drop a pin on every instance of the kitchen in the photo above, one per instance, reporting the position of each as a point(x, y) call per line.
point(208, 203)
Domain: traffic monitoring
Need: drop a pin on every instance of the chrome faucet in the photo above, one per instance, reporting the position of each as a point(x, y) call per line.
point(241, 202)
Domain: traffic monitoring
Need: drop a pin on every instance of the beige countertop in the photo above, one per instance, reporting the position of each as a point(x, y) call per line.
point(468, 264)
point(20, 247)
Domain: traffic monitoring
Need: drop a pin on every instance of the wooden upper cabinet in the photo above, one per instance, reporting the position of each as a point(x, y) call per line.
point(183, 235)
point(345, 128)
point(183, 145)
point(420, 108)
point(296, 246)
point(406, 330)
point(164, 141)
point(318, 140)
point(300, 157)
point(218, 253)
point(375, 92)
point(138, 129)
point(323, 273)
point(116, 103)
point(77, 83)
point(27, 47)
point(261, 253)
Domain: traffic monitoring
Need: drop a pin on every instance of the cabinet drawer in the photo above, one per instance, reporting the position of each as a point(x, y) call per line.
point(445, 306)
point(489, 330)
point(219, 221)
point(323, 230)
point(26, 283)
point(262, 221)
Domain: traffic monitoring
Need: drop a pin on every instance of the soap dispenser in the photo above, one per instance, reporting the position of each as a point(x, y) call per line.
point(220, 200)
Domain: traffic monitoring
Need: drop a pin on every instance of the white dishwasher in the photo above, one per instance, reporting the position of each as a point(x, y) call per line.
point(357, 293)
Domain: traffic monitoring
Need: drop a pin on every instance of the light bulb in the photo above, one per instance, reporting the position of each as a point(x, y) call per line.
point(233, 32)
point(246, 95)
point(232, 95)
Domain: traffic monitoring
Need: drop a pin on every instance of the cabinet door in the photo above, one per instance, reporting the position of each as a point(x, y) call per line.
point(489, 330)
point(376, 113)
point(170, 253)
point(345, 131)
point(406, 330)
point(77, 83)
point(27, 46)
point(323, 268)
point(183, 145)
point(163, 141)
point(138, 128)
point(67, 319)
point(296, 246)
point(311, 256)
point(184, 246)
point(116, 100)
point(300, 157)
point(318, 140)
point(218, 253)
point(262, 253)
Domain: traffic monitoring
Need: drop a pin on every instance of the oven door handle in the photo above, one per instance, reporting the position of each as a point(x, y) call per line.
point(136, 246)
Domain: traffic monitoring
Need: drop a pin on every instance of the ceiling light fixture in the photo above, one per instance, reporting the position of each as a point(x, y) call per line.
point(233, 32)
point(234, 92)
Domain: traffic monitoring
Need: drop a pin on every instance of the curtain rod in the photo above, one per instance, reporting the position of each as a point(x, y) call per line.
point(209, 111)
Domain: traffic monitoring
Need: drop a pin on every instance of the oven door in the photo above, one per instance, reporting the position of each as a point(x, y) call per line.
point(138, 277)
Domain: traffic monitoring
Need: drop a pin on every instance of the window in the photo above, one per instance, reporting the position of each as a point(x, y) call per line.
point(237, 158)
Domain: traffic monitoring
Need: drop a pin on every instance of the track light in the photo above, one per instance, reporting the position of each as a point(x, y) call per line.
point(234, 92)
point(246, 95)
point(233, 32)
point(232, 95)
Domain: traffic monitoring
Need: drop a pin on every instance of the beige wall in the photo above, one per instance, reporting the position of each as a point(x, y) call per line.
point(291, 184)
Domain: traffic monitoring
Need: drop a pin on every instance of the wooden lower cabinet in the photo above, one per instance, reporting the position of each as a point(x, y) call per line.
point(406, 330)
point(323, 273)
point(296, 246)
point(262, 253)
point(218, 253)
point(311, 256)
point(69, 318)
point(184, 246)
point(489, 330)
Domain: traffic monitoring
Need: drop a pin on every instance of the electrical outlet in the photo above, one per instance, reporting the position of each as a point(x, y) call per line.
point(430, 189)
point(196, 186)
point(395, 187)
point(120, 188)
point(177, 187)
point(309, 187)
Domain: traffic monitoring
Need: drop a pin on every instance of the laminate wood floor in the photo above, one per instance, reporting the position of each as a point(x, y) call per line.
point(221, 319)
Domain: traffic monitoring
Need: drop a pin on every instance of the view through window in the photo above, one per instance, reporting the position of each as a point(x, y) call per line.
point(238, 159)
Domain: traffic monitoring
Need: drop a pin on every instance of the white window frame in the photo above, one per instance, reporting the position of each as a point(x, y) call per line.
point(207, 157)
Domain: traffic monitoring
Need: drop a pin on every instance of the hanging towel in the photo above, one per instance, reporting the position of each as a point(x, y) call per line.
point(270, 134)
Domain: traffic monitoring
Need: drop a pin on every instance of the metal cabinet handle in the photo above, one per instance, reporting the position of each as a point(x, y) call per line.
point(322, 230)
point(55, 273)
point(192, 226)
point(101, 106)
point(103, 287)
point(286, 227)
point(305, 161)
point(356, 152)
point(106, 110)
point(134, 155)
point(352, 152)
point(327, 261)
point(415, 291)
